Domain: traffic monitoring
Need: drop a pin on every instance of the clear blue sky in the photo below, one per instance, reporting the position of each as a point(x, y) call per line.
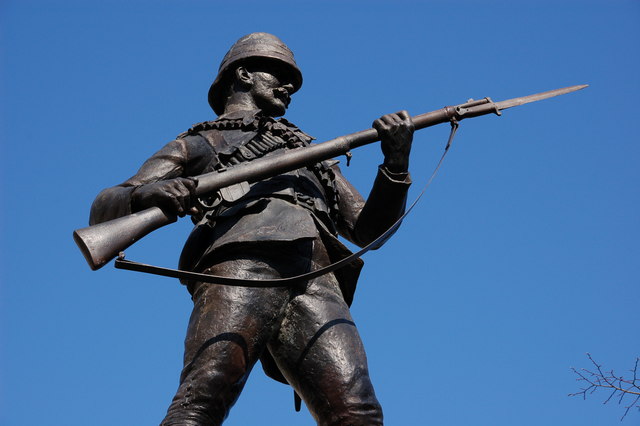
point(522, 257)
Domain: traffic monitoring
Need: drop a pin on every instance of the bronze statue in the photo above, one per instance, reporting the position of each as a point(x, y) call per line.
point(268, 206)
point(278, 227)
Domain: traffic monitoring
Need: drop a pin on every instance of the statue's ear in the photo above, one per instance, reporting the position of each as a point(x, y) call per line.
point(243, 77)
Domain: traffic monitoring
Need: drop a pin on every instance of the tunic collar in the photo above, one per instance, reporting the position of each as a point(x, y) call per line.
point(247, 116)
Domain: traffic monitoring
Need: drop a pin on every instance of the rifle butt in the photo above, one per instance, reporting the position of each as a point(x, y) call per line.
point(103, 242)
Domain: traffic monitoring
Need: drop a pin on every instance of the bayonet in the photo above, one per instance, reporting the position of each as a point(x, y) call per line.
point(537, 97)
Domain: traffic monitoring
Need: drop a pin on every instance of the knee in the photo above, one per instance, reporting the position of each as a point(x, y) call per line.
point(224, 357)
point(364, 413)
point(208, 389)
point(205, 397)
point(363, 410)
point(221, 379)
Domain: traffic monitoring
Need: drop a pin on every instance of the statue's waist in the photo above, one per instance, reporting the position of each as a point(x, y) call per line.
point(297, 188)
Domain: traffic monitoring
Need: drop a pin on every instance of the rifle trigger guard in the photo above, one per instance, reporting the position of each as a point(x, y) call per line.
point(205, 206)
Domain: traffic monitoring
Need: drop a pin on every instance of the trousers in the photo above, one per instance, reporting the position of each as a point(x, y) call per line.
point(307, 328)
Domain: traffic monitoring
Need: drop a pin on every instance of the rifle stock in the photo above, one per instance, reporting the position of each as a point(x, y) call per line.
point(102, 242)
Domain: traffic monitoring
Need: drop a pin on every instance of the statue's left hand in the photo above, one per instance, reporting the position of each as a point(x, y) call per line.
point(396, 135)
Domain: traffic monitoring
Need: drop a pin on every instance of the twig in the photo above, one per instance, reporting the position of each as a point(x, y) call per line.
point(618, 385)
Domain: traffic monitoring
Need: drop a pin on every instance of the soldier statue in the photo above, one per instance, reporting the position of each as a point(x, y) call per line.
point(284, 226)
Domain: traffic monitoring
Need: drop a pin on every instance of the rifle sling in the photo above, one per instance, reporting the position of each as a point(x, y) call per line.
point(121, 263)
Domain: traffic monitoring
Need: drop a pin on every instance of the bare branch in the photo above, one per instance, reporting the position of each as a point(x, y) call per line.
point(619, 387)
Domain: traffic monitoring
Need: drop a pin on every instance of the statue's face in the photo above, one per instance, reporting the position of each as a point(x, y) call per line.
point(271, 90)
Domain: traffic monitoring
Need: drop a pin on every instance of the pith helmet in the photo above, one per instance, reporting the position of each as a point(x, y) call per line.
point(251, 46)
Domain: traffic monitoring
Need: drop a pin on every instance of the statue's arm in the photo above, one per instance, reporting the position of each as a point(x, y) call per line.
point(363, 222)
point(161, 181)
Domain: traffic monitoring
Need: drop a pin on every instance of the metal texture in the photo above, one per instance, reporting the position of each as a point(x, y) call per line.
point(102, 243)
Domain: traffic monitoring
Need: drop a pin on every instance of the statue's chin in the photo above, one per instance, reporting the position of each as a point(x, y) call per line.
point(276, 108)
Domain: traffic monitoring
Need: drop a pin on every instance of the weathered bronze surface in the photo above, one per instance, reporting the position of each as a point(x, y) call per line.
point(280, 226)
point(267, 205)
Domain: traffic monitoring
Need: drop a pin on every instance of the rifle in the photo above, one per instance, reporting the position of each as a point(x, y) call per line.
point(102, 242)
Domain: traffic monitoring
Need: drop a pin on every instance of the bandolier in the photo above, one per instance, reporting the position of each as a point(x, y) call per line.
point(239, 140)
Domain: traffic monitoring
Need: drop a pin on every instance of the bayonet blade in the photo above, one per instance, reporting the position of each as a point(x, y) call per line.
point(537, 97)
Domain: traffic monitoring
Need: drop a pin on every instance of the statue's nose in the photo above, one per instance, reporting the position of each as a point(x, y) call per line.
point(288, 87)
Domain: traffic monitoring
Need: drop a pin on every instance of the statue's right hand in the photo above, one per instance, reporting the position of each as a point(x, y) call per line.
point(174, 196)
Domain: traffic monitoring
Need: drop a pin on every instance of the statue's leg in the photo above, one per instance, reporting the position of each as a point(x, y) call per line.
point(320, 352)
point(227, 332)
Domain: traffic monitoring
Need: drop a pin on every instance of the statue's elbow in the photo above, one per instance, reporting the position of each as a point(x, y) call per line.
point(110, 203)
